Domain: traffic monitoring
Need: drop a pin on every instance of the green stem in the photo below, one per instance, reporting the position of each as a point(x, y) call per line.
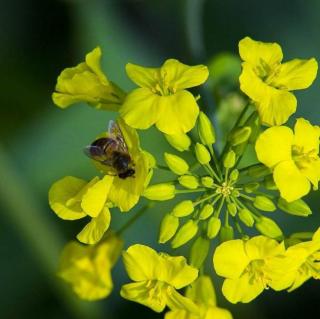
point(164, 168)
point(218, 211)
point(187, 191)
point(205, 199)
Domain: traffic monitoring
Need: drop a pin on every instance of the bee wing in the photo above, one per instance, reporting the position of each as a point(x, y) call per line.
point(115, 133)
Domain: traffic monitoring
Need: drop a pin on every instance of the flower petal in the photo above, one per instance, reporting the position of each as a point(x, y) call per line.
point(93, 62)
point(177, 113)
point(312, 172)
point(142, 76)
point(290, 181)
point(280, 137)
point(202, 291)
point(217, 313)
point(306, 136)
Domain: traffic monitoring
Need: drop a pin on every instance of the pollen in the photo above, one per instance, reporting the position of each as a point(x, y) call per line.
point(225, 189)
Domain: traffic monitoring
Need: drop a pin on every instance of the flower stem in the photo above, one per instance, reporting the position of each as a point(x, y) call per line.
point(186, 191)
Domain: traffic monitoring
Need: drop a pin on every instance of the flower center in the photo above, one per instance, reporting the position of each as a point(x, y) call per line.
point(225, 189)
point(255, 270)
point(163, 87)
point(303, 158)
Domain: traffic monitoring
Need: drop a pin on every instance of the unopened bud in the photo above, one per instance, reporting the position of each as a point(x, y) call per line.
point(185, 233)
point(234, 175)
point(189, 181)
point(230, 159)
point(207, 181)
point(162, 191)
point(183, 209)
point(214, 225)
point(268, 227)
point(206, 130)
point(202, 154)
point(168, 228)
point(251, 187)
point(176, 164)
point(254, 123)
point(226, 233)
point(297, 207)
point(180, 142)
point(259, 171)
point(264, 203)
point(206, 211)
point(199, 251)
point(246, 217)
point(240, 135)
point(232, 209)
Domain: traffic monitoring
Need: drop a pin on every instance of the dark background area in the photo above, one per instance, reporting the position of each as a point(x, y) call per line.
point(40, 143)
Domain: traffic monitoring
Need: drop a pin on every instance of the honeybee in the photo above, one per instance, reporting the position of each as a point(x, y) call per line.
point(112, 152)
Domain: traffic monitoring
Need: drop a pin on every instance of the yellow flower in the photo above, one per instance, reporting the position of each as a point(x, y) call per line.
point(202, 294)
point(156, 276)
point(125, 193)
point(161, 98)
point(86, 82)
point(293, 156)
point(72, 198)
point(268, 82)
point(243, 264)
point(88, 268)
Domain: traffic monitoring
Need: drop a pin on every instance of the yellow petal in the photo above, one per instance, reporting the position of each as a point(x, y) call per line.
point(306, 136)
point(312, 172)
point(142, 76)
point(181, 314)
point(218, 313)
point(202, 291)
point(177, 113)
point(63, 197)
point(176, 301)
point(230, 259)
point(94, 230)
point(181, 76)
point(260, 53)
point(93, 61)
point(141, 262)
point(290, 181)
point(141, 108)
point(274, 145)
point(95, 198)
point(296, 74)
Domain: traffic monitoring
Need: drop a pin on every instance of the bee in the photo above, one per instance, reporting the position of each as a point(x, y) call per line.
point(112, 152)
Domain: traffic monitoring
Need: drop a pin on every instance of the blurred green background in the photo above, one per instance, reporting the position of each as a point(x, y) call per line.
point(40, 143)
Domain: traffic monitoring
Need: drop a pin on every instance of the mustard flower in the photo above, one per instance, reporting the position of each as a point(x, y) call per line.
point(73, 198)
point(293, 157)
point(86, 82)
point(269, 83)
point(244, 265)
point(161, 98)
point(156, 276)
point(88, 268)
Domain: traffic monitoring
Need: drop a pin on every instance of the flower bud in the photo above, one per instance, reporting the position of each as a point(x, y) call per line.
point(161, 191)
point(199, 251)
point(251, 187)
point(226, 233)
point(180, 142)
point(206, 211)
point(168, 228)
point(232, 209)
point(185, 233)
point(176, 164)
point(188, 181)
point(207, 181)
point(259, 171)
point(268, 227)
point(206, 130)
point(183, 209)
point(202, 154)
point(230, 159)
point(264, 203)
point(214, 225)
point(234, 175)
point(297, 207)
point(246, 217)
point(240, 135)
point(254, 124)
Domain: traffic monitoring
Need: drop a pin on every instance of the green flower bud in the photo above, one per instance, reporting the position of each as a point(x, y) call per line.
point(161, 191)
point(188, 181)
point(269, 183)
point(230, 159)
point(234, 175)
point(246, 217)
point(183, 209)
point(264, 203)
point(180, 142)
point(207, 181)
point(199, 251)
point(214, 225)
point(254, 123)
point(268, 227)
point(168, 228)
point(226, 233)
point(176, 164)
point(235, 193)
point(185, 233)
point(206, 130)
point(297, 207)
point(240, 135)
point(251, 187)
point(258, 171)
point(206, 211)
point(202, 154)
point(232, 209)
